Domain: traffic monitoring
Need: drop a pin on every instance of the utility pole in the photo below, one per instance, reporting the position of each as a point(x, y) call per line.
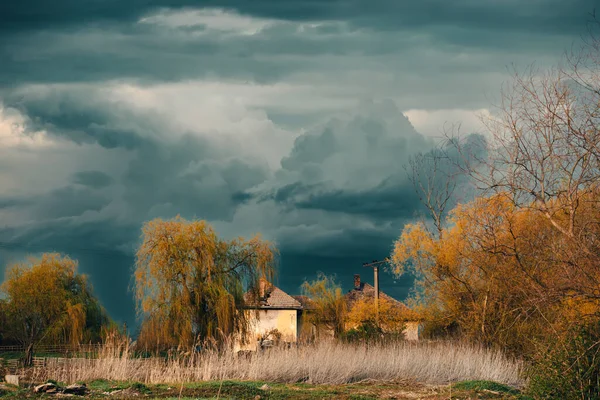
point(375, 265)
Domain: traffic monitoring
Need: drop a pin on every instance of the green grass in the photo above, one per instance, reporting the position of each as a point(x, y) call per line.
point(12, 392)
point(103, 385)
point(232, 390)
point(140, 387)
point(487, 388)
point(12, 355)
point(485, 385)
point(279, 391)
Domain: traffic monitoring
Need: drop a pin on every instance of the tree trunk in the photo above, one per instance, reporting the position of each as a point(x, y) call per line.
point(28, 362)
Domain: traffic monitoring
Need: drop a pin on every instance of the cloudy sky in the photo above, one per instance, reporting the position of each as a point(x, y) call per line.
point(291, 118)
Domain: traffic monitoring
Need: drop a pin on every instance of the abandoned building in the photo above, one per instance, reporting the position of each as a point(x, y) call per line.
point(274, 311)
point(275, 315)
point(365, 291)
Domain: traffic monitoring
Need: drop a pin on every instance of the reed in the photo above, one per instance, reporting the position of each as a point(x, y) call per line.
point(323, 363)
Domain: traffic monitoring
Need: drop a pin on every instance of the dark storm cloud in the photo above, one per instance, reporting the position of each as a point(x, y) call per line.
point(140, 54)
point(340, 197)
point(343, 190)
point(378, 134)
point(385, 201)
point(149, 53)
point(393, 198)
point(11, 202)
point(71, 234)
point(78, 116)
point(352, 168)
point(81, 42)
point(162, 172)
point(550, 15)
point(348, 242)
point(166, 171)
point(92, 179)
point(68, 201)
point(310, 149)
point(340, 192)
point(181, 182)
point(287, 193)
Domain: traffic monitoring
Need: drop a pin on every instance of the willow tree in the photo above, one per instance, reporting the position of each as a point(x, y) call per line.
point(329, 306)
point(190, 284)
point(47, 301)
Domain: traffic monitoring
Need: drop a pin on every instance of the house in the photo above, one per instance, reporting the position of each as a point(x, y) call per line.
point(364, 291)
point(274, 315)
point(277, 316)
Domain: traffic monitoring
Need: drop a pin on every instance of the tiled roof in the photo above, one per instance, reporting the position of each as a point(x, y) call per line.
point(273, 298)
point(305, 301)
point(367, 291)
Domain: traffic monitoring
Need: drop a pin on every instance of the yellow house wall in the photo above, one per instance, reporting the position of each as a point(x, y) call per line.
point(285, 321)
point(412, 330)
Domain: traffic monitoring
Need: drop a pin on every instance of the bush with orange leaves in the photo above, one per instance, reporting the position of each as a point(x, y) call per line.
point(503, 274)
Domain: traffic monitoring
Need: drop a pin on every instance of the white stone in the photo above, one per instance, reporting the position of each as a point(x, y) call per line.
point(12, 379)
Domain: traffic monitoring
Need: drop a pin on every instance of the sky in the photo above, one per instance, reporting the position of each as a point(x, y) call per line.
point(293, 119)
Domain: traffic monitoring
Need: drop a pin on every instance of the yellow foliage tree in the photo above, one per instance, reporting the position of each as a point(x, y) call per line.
point(47, 301)
point(329, 307)
point(189, 283)
point(498, 272)
point(391, 318)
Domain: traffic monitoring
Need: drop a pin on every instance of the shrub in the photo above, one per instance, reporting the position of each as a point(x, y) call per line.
point(140, 387)
point(485, 385)
point(367, 331)
point(570, 367)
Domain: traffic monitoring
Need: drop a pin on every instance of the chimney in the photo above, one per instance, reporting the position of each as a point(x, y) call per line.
point(356, 281)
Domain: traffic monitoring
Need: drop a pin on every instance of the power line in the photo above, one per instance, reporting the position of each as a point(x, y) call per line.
point(375, 265)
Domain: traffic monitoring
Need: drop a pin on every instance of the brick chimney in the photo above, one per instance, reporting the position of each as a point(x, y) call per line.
point(356, 281)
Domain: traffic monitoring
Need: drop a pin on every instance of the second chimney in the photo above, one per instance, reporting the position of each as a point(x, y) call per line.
point(356, 281)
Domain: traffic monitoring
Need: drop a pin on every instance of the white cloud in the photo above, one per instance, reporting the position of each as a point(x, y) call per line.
point(436, 123)
point(12, 131)
point(214, 19)
point(231, 114)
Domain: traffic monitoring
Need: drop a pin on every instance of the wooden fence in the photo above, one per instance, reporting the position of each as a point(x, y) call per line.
point(10, 365)
point(13, 365)
point(60, 349)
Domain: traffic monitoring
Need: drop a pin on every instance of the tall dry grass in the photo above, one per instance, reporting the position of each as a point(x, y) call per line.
point(323, 363)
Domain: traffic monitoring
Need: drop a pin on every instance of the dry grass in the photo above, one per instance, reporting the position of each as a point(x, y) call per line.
point(324, 363)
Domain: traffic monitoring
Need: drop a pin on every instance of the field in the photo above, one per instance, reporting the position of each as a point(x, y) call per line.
point(102, 389)
point(327, 370)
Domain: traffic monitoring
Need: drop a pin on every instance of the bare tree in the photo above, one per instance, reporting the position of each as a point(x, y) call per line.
point(433, 182)
point(543, 153)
